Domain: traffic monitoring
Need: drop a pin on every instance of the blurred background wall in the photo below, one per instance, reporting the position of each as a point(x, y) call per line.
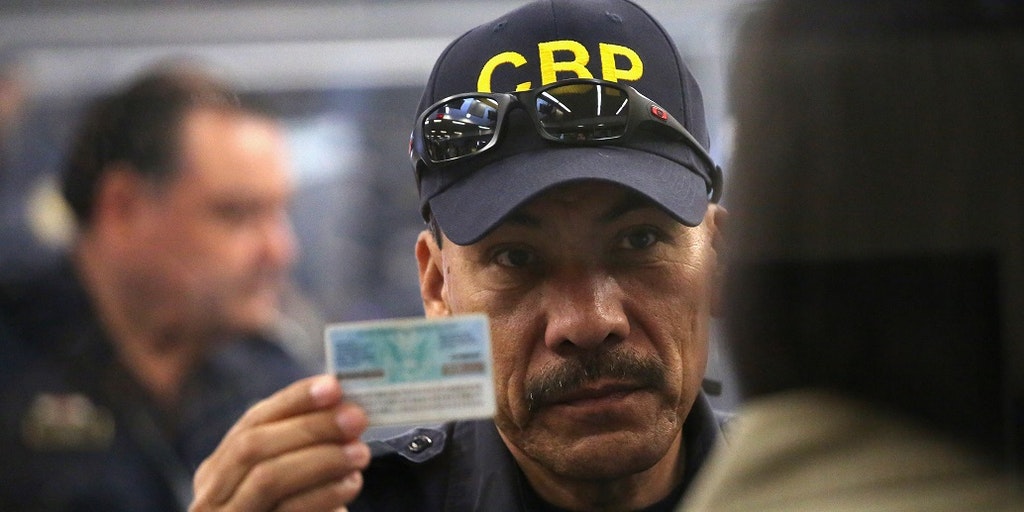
point(344, 76)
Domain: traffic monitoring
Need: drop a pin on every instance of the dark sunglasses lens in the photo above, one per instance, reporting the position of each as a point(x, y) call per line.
point(459, 128)
point(583, 112)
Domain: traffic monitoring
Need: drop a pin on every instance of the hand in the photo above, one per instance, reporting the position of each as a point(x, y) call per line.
point(297, 450)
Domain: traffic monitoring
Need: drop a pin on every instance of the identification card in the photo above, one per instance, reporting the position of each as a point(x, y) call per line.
point(415, 370)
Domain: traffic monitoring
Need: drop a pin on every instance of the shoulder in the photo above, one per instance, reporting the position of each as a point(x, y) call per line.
point(807, 450)
point(406, 471)
point(438, 468)
point(42, 317)
point(46, 305)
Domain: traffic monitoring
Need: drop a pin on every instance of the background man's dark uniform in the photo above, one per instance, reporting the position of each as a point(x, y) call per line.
point(62, 384)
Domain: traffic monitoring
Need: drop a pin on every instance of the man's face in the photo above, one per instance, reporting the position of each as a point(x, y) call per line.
point(599, 305)
point(215, 242)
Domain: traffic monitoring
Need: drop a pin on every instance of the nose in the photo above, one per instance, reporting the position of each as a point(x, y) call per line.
point(280, 246)
point(584, 311)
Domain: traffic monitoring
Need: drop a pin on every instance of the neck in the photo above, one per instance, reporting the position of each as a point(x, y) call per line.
point(629, 492)
point(158, 352)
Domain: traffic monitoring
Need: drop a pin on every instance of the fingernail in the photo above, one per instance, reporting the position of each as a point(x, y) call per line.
point(354, 479)
point(348, 423)
point(357, 453)
point(322, 389)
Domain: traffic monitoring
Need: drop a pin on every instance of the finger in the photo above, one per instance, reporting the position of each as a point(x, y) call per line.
point(333, 426)
point(218, 478)
point(293, 473)
point(333, 496)
point(341, 424)
point(306, 395)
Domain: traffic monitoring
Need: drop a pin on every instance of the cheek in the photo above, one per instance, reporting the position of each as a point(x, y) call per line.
point(674, 310)
point(690, 348)
point(210, 262)
point(516, 332)
point(231, 251)
point(239, 253)
point(506, 358)
point(513, 351)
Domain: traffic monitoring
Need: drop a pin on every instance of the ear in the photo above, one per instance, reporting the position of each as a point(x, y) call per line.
point(432, 278)
point(120, 196)
point(717, 219)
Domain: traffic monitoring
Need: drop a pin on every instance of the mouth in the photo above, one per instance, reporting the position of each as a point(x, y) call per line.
point(594, 394)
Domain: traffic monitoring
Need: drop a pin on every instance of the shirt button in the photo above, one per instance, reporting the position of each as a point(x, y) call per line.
point(419, 443)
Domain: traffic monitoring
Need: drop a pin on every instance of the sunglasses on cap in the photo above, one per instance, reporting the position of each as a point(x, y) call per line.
point(578, 112)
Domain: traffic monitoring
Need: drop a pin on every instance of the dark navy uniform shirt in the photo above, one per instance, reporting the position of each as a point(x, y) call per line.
point(79, 433)
point(464, 466)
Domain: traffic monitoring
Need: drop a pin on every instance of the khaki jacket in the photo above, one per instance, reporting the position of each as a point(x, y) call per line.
point(813, 451)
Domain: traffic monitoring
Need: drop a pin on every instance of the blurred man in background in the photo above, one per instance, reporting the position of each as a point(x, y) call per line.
point(125, 364)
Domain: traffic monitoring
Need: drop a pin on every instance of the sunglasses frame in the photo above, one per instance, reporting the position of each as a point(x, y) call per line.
point(642, 111)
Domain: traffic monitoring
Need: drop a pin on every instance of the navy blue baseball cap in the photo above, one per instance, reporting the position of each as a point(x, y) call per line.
point(541, 43)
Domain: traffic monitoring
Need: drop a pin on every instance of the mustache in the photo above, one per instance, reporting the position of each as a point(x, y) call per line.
point(561, 380)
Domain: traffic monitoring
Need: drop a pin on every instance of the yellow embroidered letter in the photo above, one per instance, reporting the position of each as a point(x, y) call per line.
point(610, 72)
point(483, 83)
point(549, 69)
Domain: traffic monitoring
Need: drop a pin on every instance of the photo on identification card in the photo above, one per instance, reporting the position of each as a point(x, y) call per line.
point(414, 370)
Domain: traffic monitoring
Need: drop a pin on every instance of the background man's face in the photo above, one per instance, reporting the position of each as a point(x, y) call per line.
point(218, 234)
point(599, 305)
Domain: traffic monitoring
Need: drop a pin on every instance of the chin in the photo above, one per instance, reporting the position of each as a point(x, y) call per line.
point(259, 318)
point(608, 454)
point(606, 457)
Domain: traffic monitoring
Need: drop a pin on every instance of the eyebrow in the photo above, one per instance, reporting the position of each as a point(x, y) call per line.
point(630, 203)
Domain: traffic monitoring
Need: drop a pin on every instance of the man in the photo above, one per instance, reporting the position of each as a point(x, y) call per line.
point(593, 256)
point(124, 366)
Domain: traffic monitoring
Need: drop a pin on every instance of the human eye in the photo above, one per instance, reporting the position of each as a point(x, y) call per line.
point(639, 238)
point(237, 213)
point(514, 257)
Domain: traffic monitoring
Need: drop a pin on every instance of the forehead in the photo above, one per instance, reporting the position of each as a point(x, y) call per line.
point(231, 149)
